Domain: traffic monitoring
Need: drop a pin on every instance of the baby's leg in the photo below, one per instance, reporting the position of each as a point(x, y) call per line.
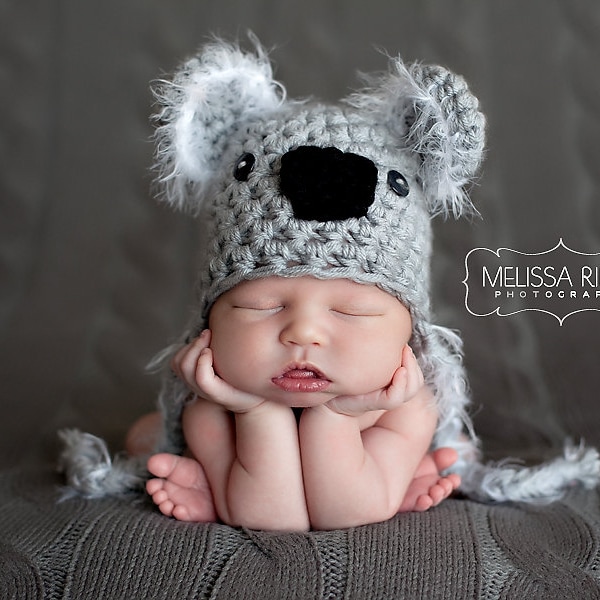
point(143, 434)
point(428, 487)
point(181, 489)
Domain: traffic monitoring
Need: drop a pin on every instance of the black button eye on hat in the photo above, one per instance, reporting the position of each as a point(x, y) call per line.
point(243, 166)
point(398, 183)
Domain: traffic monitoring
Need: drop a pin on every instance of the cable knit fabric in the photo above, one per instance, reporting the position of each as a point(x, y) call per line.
point(109, 548)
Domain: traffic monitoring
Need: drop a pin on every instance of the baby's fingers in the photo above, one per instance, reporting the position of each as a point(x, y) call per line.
point(414, 376)
point(198, 373)
point(205, 382)
point(184, 363)
point(193, 364)
point(408, 379)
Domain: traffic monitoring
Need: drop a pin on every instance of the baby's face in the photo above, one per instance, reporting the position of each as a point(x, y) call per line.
point(302, 341)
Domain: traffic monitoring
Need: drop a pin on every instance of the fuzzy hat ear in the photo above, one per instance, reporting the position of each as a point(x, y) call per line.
point(436, 115)
point(209, 97)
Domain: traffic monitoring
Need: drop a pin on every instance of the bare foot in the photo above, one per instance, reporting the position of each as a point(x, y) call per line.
point(428, 487)
point(181, 490)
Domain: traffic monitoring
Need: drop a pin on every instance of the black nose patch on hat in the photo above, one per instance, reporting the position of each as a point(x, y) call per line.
point(326, 184)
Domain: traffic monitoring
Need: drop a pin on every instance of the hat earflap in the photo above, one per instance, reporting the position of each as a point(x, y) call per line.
point(210, 95)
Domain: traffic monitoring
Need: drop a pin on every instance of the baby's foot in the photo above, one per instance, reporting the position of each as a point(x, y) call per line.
point(428, 488)
point(181, 490)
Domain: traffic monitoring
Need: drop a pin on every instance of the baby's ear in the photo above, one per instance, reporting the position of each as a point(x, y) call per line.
point(210, 96)
point(434, 114)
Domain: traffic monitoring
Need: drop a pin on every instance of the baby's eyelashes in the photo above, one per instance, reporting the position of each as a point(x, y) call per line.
point(357, 312)
point(259, 307)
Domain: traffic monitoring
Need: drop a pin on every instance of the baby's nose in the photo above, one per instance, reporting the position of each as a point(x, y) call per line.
point(303, 329)
point(326, 184)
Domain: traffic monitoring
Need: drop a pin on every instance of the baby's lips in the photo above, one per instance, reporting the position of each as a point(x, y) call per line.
point(303, 374)
point(303, 371)
point(302, 378)
point(301, 384)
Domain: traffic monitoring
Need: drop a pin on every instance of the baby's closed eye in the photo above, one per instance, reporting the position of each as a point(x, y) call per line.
point(357, 310)
point(259, 306)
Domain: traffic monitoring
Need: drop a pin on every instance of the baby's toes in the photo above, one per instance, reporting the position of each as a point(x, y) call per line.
point(162, 465)
point(446, 485)
point(154, 485)
point(454, 480)
point(423, 503)
point(160, 497)
point(438, 492)
point(181, 513)
point(166, 507)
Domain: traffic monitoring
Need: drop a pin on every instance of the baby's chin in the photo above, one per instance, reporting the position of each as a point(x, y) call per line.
point(300, 400)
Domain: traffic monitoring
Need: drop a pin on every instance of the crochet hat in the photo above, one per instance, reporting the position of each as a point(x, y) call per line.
point(295, 188)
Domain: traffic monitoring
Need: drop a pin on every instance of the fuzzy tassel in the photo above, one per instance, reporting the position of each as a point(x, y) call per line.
point(90, 471)
point(441, 362)
point(504, 481)
point(541, 484)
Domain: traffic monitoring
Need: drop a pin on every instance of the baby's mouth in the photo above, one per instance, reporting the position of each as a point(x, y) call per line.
point(302, 378)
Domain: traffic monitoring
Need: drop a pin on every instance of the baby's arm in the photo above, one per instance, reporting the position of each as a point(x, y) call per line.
point(248, 447)
point(355, 476)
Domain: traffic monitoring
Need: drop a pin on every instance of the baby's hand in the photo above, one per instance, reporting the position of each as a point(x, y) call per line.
point(193, 364)
point(407, 381)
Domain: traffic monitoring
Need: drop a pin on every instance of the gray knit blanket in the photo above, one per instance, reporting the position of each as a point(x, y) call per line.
point(124, 549)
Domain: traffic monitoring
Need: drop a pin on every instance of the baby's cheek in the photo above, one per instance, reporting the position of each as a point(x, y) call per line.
point(231, 363)
point(375, 371)
point(386, 363)
point(223, 354)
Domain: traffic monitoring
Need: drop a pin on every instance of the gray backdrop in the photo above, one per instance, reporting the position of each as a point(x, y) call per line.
point(95, 277)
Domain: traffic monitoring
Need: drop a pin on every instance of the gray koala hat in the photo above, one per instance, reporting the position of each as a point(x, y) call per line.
point(294, 188)
point(297, 188)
